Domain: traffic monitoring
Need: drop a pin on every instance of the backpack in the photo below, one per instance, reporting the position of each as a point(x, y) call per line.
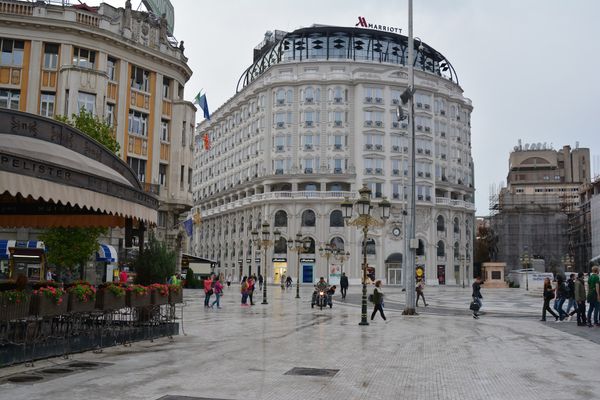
point(371, 297)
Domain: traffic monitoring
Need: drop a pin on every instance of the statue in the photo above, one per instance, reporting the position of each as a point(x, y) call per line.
point(492, 244)
point(181, 46)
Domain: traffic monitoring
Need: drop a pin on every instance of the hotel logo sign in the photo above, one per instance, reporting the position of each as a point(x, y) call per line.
point(362, 22)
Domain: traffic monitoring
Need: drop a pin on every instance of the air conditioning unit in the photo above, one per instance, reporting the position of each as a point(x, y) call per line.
point(420, 174)
point(337, 170)
point(420, 197)
point(419, 105)
point(379, 123)
point(396, 195)
point(420, 151)
point(368, 123)
point(442, 112)
point(368, 99)
point(395, 124)
point(428, 174)
point(337, 146)
point(308, 123)
point(427, 151)
point(379, 147)
point(427, 129)
point(308, 147)
point(419, 127)
point(279, 148)
point(379, 170)
point(308, 170)
point(426, 106)
point(396, 172)
point(396, 101)
point(280, 101)
point(368, 170)
point(337, 99)
point(378, 100)
point(309, 100)
point(337, 123)
point(443, 134)
point(395, 148)
point(368, 146)
point(279, 125)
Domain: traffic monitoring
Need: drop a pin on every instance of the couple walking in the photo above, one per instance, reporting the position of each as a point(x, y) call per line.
point(213, 285)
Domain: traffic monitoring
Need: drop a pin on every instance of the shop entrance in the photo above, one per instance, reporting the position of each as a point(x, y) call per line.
point(394, 276)
point(279, 269)
point(307, 273)
point(441, 273)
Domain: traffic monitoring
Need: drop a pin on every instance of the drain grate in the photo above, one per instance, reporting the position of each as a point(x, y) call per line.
point(312, 372)
point(24, 378)
point(57, 371)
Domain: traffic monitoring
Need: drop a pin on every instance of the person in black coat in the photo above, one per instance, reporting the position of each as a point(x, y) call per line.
point(477, 296)
point(344, 285)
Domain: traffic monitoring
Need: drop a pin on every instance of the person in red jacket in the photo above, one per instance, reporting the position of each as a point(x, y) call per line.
point(251, 290)
point(208, 290)
point(123, 276)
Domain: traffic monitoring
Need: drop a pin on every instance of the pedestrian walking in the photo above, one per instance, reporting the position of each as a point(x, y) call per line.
point(593, 296)
point(548, 295)
point(282, 281)
point(571, 296)
point(208, 289)
point(477, 296)
point(561, 296)
point(260, 281)
point(244, 291)
point(344, 285)
point(579, 293)
point(218, 290)
point(228, 280)
point(251, 290)
point(419, 288)
point(378, 300)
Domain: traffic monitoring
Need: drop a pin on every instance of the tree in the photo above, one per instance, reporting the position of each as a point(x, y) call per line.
point(155, 264)
point(69, 248)
point(190, 280)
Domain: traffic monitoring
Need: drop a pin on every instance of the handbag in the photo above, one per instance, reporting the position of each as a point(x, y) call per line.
point(474, 306)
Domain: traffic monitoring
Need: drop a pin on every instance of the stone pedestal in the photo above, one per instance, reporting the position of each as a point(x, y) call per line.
point(493, 274)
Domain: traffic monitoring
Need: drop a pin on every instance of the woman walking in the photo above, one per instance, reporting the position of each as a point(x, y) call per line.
point(548, 296)
point(378, 300)
point(244, 291)
point(218, 290)
point(561, 296)
point(419, 288)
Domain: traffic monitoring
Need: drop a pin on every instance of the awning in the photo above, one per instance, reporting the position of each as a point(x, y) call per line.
point(107, 253)
point(595, 259)
point(29, 244)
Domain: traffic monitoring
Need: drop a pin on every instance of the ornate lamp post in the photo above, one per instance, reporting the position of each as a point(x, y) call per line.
point(526, 262)
point(463, 267)
point(299, 246)
point(341, 256)
point(326, 252)
point(364, 221)
point(263, 242)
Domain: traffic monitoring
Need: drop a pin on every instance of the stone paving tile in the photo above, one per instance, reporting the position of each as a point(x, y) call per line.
point(243, 353)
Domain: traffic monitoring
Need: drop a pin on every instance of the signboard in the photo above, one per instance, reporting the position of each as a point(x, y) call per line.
point(279, 259)
point(362, 22)
point(248, 260)
point(307, 260)
point(334, 274)
point(160, 7)
point(257, 260)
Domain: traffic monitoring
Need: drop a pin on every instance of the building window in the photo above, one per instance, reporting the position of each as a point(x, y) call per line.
point(166, 89)
point(50, 56)
point(47, 104)
point(280, 246)
point(181, 177)
point(189, 179)
point(86, 101)
point(281, 219)
point(162, 174)
point(440, 224)
point(111, 69)
point(162, 219)
point(183, 134)
point(336, 219)
point(12, 52)
point(138, 166)
point(10, 99)
point(164, 130)
point(371, 247)
point(441, 249)
point(110, 114)
point(308, 218)
point(140, 78)
point(84, 58)
point(138, 123)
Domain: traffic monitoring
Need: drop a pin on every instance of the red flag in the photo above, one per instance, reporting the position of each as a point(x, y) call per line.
point(206, 141)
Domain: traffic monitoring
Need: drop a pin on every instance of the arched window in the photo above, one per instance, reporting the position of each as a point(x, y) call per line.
point(280, 246)
point(308, 218)
point(440, 224)
point(371, 247)
point(456, 250)
point(441, 249)
point(242, 224)
point(336, 219)
point(456, 226)
point(281, 219)
point(337, 243)
point(280, 96)
point(421, 248)
point(311, 248)
point(233, 226)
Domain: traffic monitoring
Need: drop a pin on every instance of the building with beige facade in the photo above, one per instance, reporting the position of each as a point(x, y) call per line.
point(123, 66)
point(313, 120)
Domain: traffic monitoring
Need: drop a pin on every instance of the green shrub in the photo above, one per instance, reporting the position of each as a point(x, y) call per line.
point(155, 264)
point(190, 280)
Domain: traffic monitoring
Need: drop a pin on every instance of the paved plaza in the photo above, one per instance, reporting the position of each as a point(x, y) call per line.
point(241, 353)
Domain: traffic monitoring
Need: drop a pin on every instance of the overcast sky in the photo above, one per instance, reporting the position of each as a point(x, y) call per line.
point(531, 67)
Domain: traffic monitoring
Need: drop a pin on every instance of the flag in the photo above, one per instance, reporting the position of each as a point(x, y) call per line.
point(206, 140)
point(200, 99)
point(188, 224)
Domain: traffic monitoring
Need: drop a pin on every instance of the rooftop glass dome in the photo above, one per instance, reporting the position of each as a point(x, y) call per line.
point(337, 43)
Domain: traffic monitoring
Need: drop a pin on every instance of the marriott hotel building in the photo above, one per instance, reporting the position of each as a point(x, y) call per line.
point(313, 120)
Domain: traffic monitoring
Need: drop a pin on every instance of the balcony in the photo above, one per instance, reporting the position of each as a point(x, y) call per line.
point(378, 100)
point(442, 112)
point(379, 123)
point(379, 171)
point(426, 106)
point(309, 100)
point(395, 124)
point(151, 188)
point(279, 148)
point(369, 171)
point(395, 148)
point(308, 146)
point(454, 203)
point(368, 146)
point(337, 171)
point(396, 172)
point(337, 99)
point(337, 146)
point(280, 124)
point(368, 99)
point(368, 123)
point(308, 124)
point(337, 123)
point(378, 147)
point(308, 170)
point(395, 101)
point(279, 171)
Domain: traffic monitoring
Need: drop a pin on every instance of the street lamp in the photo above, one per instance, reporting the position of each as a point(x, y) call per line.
point(463, 265)
point(526, 262)
point(263, 242)
point(326, 252)
point(364, 221)
point(299, 246)
point(341, 256)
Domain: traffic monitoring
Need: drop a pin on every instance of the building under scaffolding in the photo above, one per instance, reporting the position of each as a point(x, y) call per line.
point(532, 214)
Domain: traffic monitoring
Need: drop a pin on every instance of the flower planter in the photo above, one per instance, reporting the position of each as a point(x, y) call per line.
point(79, 306)
point(134, 300)
point(176, 296)
point(157, 299)
point(43, 306)
point(11, 311)
point(107, 300)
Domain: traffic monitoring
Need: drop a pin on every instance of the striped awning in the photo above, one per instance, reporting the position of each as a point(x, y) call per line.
point(107, 253)
point(24, 244)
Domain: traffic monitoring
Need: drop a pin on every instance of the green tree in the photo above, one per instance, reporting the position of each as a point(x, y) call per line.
point(94, 127)
point(190, 280)
point(69, 248)
point(155, 264)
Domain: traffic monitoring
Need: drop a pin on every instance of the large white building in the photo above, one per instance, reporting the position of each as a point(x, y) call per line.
point(313, 120)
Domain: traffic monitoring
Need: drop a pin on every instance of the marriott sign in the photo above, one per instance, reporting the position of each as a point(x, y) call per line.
point(362, 22)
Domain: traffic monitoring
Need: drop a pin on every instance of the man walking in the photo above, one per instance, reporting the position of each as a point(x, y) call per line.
point(580, 300)
point(477, 296)
point(343, 285)
point(593, 296)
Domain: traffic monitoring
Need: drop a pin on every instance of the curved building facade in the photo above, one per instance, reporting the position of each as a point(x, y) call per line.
point(119, 64)
point(314, 119)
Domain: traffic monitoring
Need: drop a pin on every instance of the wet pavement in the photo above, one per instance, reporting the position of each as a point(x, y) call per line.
point(286, 350)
